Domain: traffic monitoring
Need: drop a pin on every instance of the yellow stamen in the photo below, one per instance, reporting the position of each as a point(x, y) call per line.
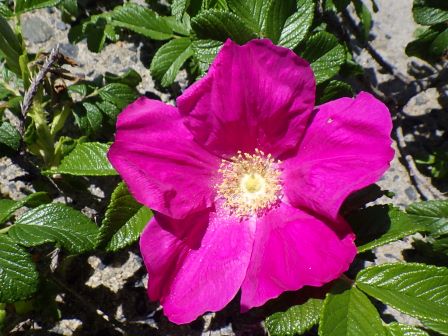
point(250, 183)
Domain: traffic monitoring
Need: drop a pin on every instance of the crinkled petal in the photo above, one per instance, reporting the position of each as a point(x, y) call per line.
point(254, 96)
point(346, 147)
point(293, 249)
point(159, 161)
point(199, 273)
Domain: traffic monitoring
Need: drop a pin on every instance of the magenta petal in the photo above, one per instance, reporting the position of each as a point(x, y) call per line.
point(159, 161)
point(293, 249)
point(190, 280)
point(346, 147)
point(254, 96)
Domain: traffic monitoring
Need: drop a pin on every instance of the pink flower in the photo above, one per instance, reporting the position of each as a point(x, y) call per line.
point(246, 179)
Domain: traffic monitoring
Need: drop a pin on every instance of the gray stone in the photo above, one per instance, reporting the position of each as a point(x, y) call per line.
point(69, 50)
point(61, 25)
point(36, 30)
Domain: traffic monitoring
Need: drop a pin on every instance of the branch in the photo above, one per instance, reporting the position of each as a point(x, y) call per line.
point(29, 95)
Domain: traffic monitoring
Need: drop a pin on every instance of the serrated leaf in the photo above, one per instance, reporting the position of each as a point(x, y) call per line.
point(22, 6)
point(168, 60)
point(422, 47)
point(430, 12)
point(18, 275)
point(5, 11)
point(108, 109)
point(324, 53)
point(141, 20)
point(297, 25)
point(9, 136)
point(332, 90)
point(130, 232)
point(8, 207)
point(440, 327)
point(129, 77)
point(252, 12)
point(296, 320)
point(278, 12)
point(119, 94)
point(398, 329)
point(349, 313)
point(93, 117)
point(87, 159)
point(10, 47)
point(431, 214)
point(55, 223)
point(205, 52)
point(121, 208)
point(219, 25)
point(415, 289)
point(381, 224)
point(179, 7)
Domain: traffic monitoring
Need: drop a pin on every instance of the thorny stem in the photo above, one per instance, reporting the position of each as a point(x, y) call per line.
point(31, 92)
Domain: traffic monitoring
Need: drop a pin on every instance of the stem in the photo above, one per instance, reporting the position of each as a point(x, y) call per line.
point(6, 229)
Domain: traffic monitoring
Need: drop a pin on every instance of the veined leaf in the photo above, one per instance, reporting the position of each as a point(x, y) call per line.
point(141, 20)
point(278, 13)
point(349, 313)
point(131, 78)
point(252, 12)
point(296, 320)
point(429, 44)
point(398, 329)
point(9, 136)
point(381, 224)
point(55, 223)
point(87, 159)
point(8, 207)
point(416, 289)
point(168, 60)
point(179, 7)
point(119, 94)
point(430, 12)
point(18, 275)
point(332, 90)
point(324, 53)
point(441, 327)
point(22, 6)
point(205, 51)
point(297, 25)
point(10, 46)
point(431, 214)
point(219, 25)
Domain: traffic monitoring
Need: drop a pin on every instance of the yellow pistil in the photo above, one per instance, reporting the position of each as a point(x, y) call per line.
point(250, 183)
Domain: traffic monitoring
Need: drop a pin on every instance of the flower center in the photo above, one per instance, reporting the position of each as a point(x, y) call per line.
point(250, 183)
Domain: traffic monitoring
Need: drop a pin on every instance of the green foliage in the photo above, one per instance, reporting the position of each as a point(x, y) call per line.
point(297, 25)
point(18, 275)
point(296, 320)
point(252, 12)
point(431, 214)
point(55, 223)
point(9, 135)
point(22, 6)
point(10, 47)
point(430, 12)
point(398, 329)
point(333, 89)
point(119, 94)
point(123, 222)
point(87, 159)
point(416, 289)
point(348, 312)
point(8, 207)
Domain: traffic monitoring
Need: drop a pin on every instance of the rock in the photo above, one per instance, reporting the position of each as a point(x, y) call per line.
point(69, 50)
point(36, 30)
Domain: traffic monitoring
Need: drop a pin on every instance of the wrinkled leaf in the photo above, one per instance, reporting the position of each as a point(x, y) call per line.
point(296, 320)
point(9, 136)
point(87, 159)
point(297, 25)
point(55, 223)
point(8, 207)
point(169, 59)
point(332, 90)
point(179, 7)
point(119, 94)
point(252, 12)
point(22, 6)
point(431, 214)
point(205, 52)
point(18, 275)
point(398, 329)
point(278, 13)
point(428, 45)
point(129, 77)
point(430, 12)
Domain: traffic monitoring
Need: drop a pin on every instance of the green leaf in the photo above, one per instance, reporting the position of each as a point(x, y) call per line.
point(425, 46)
point(108, 109)
point(141, 20)
point(5, 11)
point(9, 136)
point(278, 13)
point(96, 36)
point(205, 52)
point(10, 46)
point(441, 327)
point(168, 60)
point(297, 25)
point(28, 5)
point(430, 12)
point(440, 44)
point(349, 312)
point(296, 320)
point(219, 25)
point(431, 214)
point(130, 78)
point(18, 275)
point(119, 94)
point(121, 209)
point(87, 159)
point(8, 207)
point(179, 7)
point(398, 329)
point(55, 223)
point(130, 232)
point(332, 90)
point(415, 289)
point(381, 224)
point(252, 12)
point(324, 53)
point(365, 18)
point(93, 118)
